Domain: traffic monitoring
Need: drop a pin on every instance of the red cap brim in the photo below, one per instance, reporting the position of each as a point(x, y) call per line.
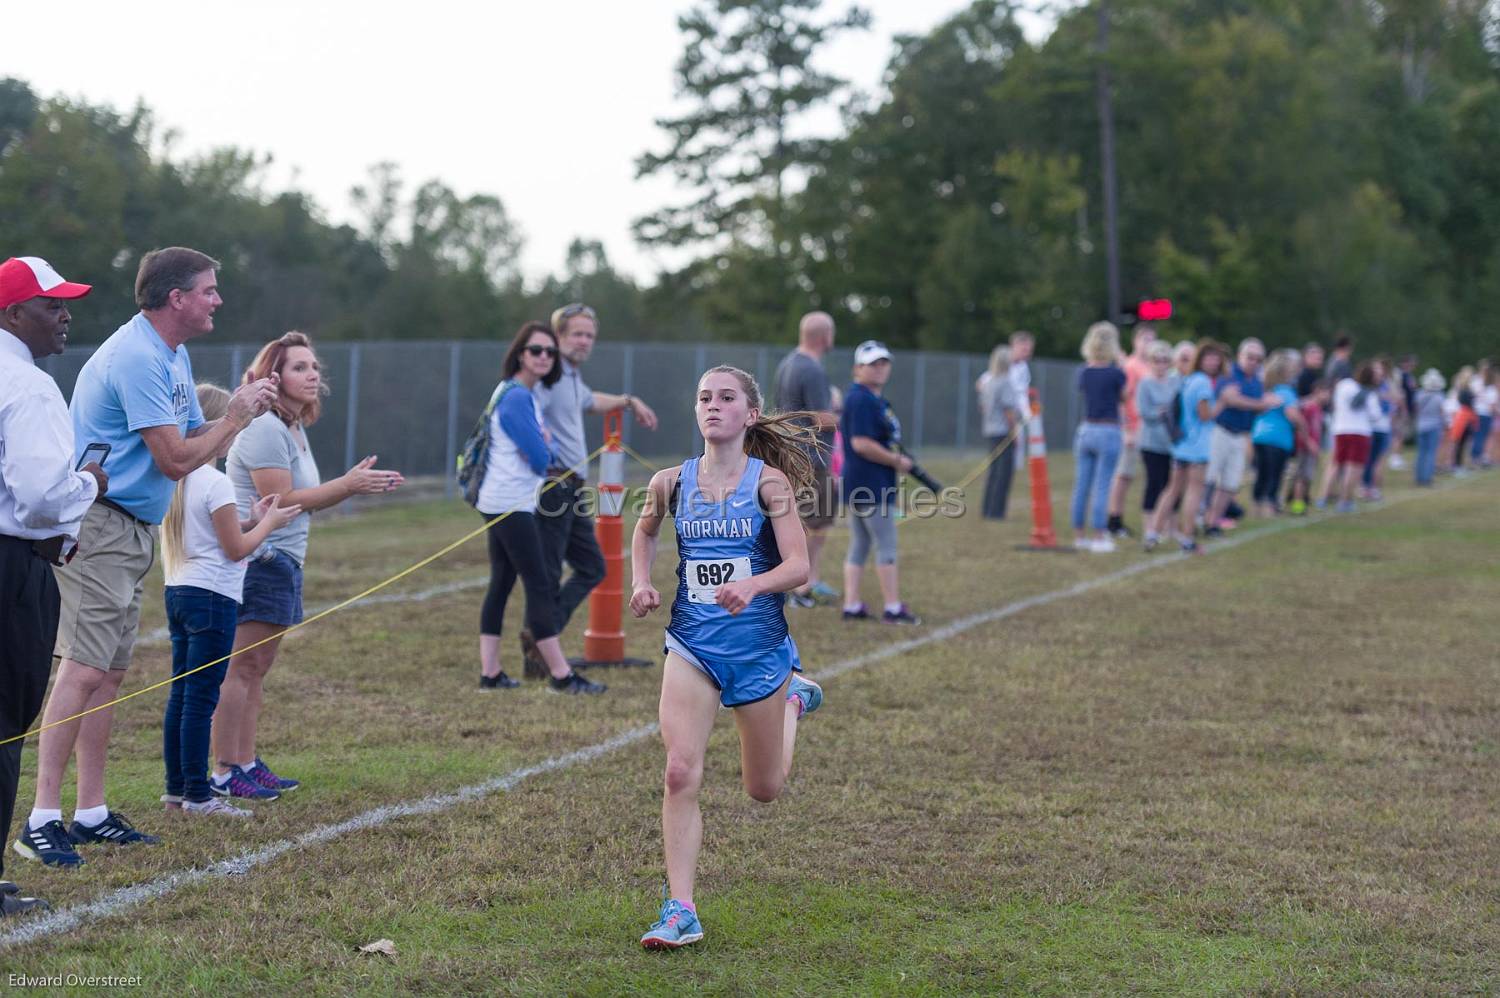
point(67, 289)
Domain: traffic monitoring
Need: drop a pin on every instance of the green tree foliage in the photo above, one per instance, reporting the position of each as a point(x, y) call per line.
point(747, 73)
point(92, 189)
point(1288, 168)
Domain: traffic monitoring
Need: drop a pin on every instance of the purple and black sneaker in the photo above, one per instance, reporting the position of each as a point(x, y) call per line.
point(262, 774)
point(241, 784)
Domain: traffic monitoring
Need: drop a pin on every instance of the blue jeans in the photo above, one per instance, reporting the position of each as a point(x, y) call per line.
point(1482, 436)
point(1427, 449)
point(202, 627)
point(1096, 451)
point(1379, 441)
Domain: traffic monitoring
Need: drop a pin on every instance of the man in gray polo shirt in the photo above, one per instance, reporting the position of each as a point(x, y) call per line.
point(567, 532)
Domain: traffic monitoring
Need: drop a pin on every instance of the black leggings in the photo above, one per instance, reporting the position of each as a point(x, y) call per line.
point(1158, 470)
point(515, 550)
point(1270, 465)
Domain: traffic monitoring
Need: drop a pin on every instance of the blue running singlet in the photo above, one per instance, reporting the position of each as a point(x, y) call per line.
point(747, 656)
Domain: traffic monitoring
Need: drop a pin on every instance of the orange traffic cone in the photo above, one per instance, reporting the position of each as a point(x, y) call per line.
point(604, 640)
point(1043, 538)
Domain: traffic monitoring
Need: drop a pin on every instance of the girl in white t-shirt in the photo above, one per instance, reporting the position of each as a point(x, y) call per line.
point(1356, 409)
point(204, 548)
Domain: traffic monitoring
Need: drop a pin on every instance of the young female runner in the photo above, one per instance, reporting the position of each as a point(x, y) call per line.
point(741, 548)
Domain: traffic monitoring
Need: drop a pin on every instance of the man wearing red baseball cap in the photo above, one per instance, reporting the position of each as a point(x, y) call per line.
point(42, 504)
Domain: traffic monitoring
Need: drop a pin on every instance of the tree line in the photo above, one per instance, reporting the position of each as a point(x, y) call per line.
point(1287, 168)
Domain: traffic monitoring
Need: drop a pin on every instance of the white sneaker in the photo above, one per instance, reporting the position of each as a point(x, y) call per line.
point(1103, 545)
point(215, 805)
point(1083, 544)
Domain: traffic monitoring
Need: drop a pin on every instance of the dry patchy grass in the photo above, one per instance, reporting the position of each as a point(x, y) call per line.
point(1271, 769)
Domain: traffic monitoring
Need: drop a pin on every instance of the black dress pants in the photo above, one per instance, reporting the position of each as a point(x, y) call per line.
point(28, 630)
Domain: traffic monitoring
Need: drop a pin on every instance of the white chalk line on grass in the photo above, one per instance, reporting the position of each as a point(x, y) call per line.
point(118, 901)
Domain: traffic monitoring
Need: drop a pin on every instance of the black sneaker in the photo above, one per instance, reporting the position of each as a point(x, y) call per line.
point(50, 843)
point(534, 667)
point(500, 682)
point(901, 616)
point(863, 613)
point(8, 887)
point(575, 684)
point(114, 829)
point(1215, 531)
point(14, 903)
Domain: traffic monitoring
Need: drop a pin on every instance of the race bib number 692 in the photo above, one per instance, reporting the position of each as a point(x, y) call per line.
point(704, 575)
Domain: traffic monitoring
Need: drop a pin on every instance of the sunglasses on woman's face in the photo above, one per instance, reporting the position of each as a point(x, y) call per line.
point(538, 350)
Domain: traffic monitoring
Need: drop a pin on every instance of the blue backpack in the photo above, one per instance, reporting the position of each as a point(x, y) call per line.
point(475, 452)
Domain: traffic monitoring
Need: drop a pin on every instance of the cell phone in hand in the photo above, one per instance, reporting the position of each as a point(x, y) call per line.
point(93, 454)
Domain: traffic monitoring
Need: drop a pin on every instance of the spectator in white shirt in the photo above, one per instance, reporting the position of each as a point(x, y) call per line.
point(42, 503)
point(1022, 345)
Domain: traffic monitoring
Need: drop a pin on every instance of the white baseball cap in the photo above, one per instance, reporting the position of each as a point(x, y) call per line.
point(870, 351)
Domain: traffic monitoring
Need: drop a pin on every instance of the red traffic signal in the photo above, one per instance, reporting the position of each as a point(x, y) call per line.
point(1154, 310)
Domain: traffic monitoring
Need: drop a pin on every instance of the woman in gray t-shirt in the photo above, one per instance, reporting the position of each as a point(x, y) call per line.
point(1154, 397)
point(272, 456)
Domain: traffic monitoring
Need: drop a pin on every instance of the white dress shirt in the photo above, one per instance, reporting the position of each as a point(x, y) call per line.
point(1020, 380)
point(41, 496)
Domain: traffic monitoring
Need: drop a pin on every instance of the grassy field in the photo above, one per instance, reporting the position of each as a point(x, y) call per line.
point(1269, 769)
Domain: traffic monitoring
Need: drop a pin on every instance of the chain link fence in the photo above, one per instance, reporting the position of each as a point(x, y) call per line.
point(412, 403)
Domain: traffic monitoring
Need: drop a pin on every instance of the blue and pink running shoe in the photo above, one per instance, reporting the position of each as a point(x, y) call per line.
point(678, 926)
point(809, 693)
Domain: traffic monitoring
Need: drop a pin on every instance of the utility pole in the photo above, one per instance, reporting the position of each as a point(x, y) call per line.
point(1107, 164)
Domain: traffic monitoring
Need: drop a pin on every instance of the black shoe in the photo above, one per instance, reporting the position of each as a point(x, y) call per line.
point(901, 616)
point(535, 666)
point(575, 684)
point(1213, 532)
point(863, 613)
point(500, 682)
point(114, 829)
point(9, 887)
point(13, 903)
point(51, 844)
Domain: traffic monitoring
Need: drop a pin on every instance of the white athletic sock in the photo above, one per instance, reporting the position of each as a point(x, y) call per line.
point(220, 779)
point(893, 608)
point(40, 816)
point(91, 816)
point(853, 607)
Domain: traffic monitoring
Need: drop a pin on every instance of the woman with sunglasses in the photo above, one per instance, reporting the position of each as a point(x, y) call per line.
point(516, 464)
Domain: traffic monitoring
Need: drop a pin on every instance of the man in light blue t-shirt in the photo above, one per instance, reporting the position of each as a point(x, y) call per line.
point(134, 396)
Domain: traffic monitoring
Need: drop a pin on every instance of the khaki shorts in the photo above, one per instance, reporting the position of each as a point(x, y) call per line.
point(101, 589)
point(819, 507)
point(1130, 458)
point(1227, 458)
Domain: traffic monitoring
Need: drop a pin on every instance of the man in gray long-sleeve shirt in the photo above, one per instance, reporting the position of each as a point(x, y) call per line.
point(567, 532)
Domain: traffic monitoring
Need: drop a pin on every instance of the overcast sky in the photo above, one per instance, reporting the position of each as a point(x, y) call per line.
point(544, 104)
